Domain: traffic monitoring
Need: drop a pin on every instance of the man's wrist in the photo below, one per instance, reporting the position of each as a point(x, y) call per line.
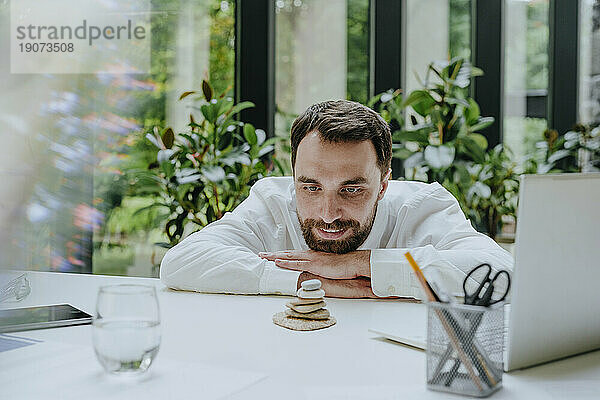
point(365, 263)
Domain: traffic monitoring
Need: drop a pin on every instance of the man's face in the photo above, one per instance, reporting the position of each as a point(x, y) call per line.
point(338, 186)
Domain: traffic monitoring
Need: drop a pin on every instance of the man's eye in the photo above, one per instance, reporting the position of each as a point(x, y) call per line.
point(351, 190)
point(311, 188)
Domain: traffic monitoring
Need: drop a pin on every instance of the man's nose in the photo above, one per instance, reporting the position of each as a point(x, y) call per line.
point(330, 209)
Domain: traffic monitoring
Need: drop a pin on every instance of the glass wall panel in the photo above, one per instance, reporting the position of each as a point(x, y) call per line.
point(321, 53)
point(525, 74)
point(74, 145)
point(589, 62)
point(435, 30)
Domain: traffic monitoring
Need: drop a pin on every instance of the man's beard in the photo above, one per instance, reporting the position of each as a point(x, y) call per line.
point(342, 246)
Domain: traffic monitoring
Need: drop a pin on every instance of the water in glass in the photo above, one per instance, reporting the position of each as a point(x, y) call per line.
point(126, 328)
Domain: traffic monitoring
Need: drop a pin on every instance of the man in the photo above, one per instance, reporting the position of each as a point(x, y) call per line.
point(338, 219)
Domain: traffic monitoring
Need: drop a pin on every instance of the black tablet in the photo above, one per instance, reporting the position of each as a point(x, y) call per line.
point(24, 319)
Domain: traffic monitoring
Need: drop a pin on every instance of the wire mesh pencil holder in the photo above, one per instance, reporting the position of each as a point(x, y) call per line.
point(464, 348)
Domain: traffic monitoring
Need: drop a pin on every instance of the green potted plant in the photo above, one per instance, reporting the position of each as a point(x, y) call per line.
point(206, 171)
point(443, 122)
point(436, 134)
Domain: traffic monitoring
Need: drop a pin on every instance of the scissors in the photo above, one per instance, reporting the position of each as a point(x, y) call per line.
point(476, 297)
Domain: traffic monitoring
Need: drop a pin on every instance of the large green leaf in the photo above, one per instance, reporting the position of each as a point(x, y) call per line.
point(420, 101)
point(186, 94)
point(476, 71)
point(457, 101)
point(227, 122)
point(463, 77)
point(472, 112)
point(558, 155)
point(472, 149)
point(213, 173)
point(413, 161)
point(153, 140)
point(164, 155)
point(235, 157)
point(225, 140)
point(207, 112)
point(480, 140)
point(420, 136)
point(188, 179)
point(265, 150)
point(168, 138)
point(387, 96)
point(240, 106)
point(250, 134)
point(148, 208)
point(479, 189)
point(261, 136)
point(373, 100)
point(187, 172)
point(482, 122)
point(439, 157)
point(403, 153)
point(207, 90)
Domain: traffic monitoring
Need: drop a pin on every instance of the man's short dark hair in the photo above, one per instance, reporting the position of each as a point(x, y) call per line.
point(345, 121)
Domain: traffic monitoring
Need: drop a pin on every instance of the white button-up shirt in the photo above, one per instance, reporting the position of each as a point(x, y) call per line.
point(424, 219)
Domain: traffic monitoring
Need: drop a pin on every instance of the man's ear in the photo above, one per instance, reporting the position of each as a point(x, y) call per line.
point(384, 184)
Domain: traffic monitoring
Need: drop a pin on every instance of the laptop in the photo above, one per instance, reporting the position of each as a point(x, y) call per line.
point(555, 295)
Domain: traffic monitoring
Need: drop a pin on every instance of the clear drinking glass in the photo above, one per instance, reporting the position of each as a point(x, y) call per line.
point(126, 328)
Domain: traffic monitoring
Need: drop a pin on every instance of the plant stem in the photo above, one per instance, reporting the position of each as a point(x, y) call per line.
point(219, 214)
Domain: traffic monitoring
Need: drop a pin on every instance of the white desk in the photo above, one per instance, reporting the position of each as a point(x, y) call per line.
point(344, 361)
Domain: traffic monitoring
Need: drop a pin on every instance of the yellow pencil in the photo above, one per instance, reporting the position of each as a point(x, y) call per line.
point(431, 296)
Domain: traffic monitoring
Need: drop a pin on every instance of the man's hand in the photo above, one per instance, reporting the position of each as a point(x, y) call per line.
point(357, 288)
point(327, 265)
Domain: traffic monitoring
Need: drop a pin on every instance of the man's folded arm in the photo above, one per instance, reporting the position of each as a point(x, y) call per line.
point(445, 255)
point(223, 256)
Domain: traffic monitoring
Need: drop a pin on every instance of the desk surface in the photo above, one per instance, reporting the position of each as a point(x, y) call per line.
point(344, 361)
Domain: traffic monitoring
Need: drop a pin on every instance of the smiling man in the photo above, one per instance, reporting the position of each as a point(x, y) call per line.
point(339, 219)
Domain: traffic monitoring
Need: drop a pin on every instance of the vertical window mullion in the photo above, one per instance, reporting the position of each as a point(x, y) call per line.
point(255, 62)
point(488, 54)
point(563, 65)
point(387, 33)
point(386, 30)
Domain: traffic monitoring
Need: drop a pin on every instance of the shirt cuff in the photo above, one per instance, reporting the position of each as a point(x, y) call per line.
point(392, 275)
point(277, 280)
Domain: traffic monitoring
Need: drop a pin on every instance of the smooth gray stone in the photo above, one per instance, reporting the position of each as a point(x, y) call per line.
point(315, 315)
point(311, 284)
point(302, 302)
point(310, 294)
point(307, 308)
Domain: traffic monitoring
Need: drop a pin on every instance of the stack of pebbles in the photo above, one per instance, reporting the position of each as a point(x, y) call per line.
point(307, 312)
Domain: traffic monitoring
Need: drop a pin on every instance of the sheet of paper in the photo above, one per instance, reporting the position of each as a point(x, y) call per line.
point(9, 342)
point(52, 370)
point(392, 324)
